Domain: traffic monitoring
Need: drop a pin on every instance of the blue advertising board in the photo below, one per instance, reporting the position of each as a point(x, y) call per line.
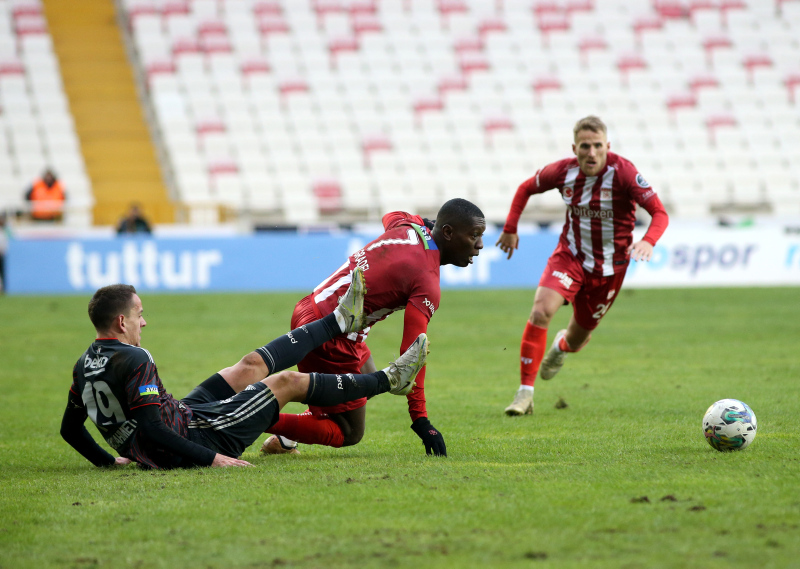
point(261, 262)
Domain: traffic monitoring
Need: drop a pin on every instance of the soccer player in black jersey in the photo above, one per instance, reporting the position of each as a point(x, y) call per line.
point(116, 384)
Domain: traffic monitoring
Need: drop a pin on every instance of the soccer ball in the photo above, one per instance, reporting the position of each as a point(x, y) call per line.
point(729, 424)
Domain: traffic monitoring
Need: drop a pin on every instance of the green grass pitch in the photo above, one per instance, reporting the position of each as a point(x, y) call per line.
point(620, 477)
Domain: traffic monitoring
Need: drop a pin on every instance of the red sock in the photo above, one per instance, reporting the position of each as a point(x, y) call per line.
point(531, 352)
point(309, 429)
point(564, 347)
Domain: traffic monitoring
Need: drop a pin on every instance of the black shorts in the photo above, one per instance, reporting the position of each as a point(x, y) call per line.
point(228, 422)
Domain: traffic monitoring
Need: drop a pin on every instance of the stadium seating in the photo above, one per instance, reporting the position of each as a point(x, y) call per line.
point(37, 128)
point(310, 110)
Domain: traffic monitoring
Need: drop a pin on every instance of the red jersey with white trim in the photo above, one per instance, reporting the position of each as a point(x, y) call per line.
point(601, 210)
point(401, 268)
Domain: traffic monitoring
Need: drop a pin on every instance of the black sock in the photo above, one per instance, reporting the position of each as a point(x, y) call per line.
point(287, 350)
point(326, 389)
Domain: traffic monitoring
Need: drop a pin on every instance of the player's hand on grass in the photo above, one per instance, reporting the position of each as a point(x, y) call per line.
point(122, 461)
point(431, 437)
point(508, 243)
point(221, 460)
point(640, 251)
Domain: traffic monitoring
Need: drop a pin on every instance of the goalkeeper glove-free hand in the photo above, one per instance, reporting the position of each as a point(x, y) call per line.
point(431, 437)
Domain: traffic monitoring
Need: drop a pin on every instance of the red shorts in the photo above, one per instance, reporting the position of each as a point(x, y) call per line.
point(590, 295)
point(340, 355)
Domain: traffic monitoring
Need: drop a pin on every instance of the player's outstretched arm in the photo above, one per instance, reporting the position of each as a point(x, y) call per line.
point(508, 243)
point(73, 431)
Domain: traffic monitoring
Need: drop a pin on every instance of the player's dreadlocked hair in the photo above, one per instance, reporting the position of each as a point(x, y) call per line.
point(108, 303)
point(458, 212)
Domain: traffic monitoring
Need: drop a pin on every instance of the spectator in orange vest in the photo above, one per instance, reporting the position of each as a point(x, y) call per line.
point(47, 198)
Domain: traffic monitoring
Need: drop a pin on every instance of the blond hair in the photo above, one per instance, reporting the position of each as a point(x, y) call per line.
point(592, 123)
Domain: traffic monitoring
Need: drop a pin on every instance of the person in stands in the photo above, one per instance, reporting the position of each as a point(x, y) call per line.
point(46, 197)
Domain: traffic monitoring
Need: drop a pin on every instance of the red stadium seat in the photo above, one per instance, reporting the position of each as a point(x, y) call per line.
point(363, 7)
point(160, 68)
point(12, 68)
point(269, 23)
point(681, 101)
point(374, 143)
point(550, 22)
point(341, 45)
point(324, 7)
point(177, 8)
point(543, 84)
point(290, 86)
point(210, 126)
point(454, 83)
point(222, 166)
point(792, 83)
point(470, 62)
point(425, 105)
point(547, 7)
point(673, 9)
point(701, 82)
point(628, 63)
point(753, 62)
point(715, 42)
point(364, 22)
point(26, 9)
point(728, 5)
point(717, 121)
point(272, 7)
point(251, 66)
point(328, 192)
point(588, 44)
point(186, 46)
point(470, 44)
point(30, 25)
point(647, 24)
point(491, 25)
point(579, 6)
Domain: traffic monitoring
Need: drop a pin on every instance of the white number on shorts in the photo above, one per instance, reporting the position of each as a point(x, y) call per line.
point(601, 311)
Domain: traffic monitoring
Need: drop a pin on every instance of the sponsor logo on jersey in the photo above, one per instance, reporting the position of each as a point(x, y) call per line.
point(611, 294)
point(567, 192)
point(605, 194)
point(641, 181)
point(145, 390)
point(95, 363)
point(430, 306)
point(581, 211)
point(648, 194)
point(564, 279)
point(339, 382)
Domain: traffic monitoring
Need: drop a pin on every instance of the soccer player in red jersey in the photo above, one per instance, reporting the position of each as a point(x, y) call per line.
point(601, 191)
point(401, 270)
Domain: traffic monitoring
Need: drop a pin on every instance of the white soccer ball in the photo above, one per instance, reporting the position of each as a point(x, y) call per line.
point(729, 424)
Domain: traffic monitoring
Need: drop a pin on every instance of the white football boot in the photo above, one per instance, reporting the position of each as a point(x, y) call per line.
point(522, 404)
point(554, 359)
point(401, 373)
point(350, 311)
point(277, 444)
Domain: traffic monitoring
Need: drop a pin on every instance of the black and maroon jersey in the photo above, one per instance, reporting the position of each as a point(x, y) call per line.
point(112, 379)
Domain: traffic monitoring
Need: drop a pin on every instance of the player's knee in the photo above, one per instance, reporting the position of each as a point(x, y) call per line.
point(540, 317)
point(353, 435)
point(292, 383)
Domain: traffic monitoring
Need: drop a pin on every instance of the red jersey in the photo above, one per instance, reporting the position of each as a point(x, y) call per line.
point(601, 210)
point(401, 268)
